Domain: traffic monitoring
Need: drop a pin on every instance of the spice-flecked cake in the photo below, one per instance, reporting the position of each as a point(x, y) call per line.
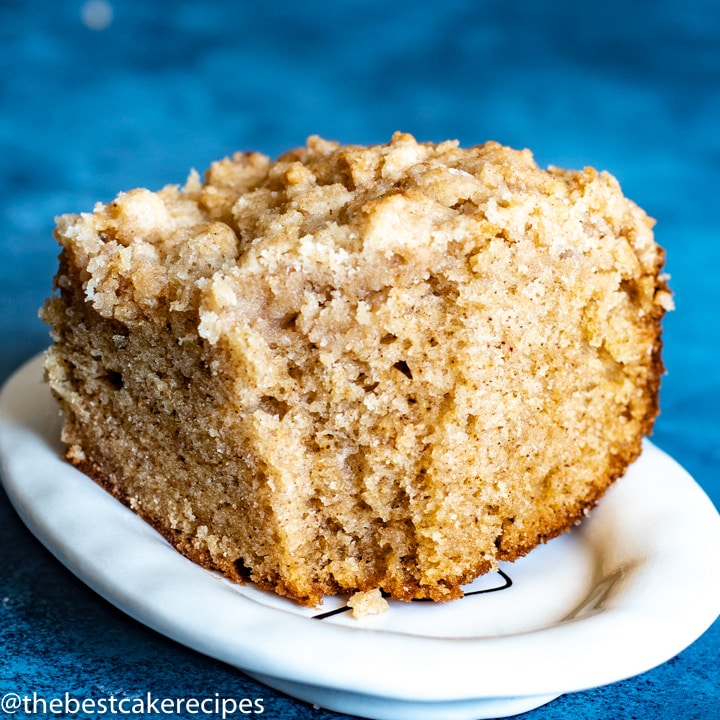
point(360, 367)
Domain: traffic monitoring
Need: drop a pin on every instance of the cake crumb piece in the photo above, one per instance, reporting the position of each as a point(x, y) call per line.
point(370, 602)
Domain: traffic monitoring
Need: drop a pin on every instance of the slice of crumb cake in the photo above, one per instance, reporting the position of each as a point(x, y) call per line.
point(360, 367)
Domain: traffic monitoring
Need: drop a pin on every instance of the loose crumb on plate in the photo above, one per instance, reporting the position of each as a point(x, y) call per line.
point(366, 603)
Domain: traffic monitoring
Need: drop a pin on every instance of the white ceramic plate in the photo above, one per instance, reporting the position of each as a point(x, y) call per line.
point(631, 587)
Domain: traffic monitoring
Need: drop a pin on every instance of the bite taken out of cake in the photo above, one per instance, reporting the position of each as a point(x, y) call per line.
point(357, 368)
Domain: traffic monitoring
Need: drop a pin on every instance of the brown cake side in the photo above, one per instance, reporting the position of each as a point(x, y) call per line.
point(360, 367)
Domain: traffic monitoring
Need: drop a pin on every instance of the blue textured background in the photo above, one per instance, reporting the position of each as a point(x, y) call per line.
point(90, 107)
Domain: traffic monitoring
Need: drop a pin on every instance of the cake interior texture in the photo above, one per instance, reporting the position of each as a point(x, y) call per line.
point(360, 367)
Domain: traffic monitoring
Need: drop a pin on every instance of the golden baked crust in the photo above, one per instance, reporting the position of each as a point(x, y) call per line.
point(360, 367)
